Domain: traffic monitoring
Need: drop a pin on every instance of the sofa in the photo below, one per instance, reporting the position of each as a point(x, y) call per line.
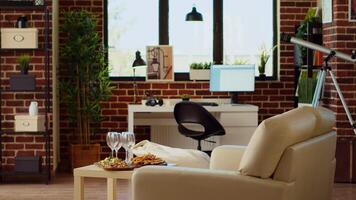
point(290, 156)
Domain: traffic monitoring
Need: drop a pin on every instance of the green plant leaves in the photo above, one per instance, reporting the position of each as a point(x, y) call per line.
point(86, 81)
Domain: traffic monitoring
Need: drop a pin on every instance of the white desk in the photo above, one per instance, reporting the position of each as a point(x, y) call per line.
point(239, 121)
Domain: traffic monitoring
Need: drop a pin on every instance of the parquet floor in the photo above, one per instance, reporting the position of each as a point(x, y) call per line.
point(61, 188)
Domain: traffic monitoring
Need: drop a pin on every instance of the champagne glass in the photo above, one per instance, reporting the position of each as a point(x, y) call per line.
point(128, 142)
point(111, 142)
point(119, 142)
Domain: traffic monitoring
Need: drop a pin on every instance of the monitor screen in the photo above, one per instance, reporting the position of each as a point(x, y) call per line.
point(232, 78)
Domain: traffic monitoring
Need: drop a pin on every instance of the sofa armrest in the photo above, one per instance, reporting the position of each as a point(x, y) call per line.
point(177, 183)
point(226, 157)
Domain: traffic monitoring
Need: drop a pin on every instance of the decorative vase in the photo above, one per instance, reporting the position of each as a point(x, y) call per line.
point(33, 109)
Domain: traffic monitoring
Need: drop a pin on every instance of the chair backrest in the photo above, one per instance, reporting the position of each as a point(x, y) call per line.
point(274, 135)
point(187, 112)
point(311, 166)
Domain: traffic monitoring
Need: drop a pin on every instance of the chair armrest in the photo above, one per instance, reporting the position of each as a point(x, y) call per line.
point(177, 183)
point(226, 157)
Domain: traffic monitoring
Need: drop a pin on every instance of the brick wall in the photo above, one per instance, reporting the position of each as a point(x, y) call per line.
point(273, 97)
point(17, 102)
point(341, 35)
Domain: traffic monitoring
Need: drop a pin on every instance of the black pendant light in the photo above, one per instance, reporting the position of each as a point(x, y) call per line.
point(194, 15)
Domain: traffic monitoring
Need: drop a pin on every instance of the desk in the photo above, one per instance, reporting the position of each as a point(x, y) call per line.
point(96, 172)
point(239, 121)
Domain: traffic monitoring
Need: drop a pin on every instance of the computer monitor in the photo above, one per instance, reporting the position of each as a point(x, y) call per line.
point(232, 78)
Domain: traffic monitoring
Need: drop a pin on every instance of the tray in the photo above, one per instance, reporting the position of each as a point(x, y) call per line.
point(129, 168)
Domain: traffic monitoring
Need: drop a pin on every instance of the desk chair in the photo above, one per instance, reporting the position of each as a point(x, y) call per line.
point(187, 112)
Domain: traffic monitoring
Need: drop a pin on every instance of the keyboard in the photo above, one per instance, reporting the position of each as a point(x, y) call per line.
point(207, 103)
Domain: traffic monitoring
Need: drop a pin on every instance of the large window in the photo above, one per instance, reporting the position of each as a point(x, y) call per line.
point(131, 27)
point(232, 31)
point(248, 27)
point(191, 41)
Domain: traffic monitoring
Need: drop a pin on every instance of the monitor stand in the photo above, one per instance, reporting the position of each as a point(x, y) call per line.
point(234, 98)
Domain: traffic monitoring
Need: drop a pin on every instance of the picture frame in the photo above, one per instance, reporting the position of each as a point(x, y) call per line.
point(352, 10)
point(159, 63)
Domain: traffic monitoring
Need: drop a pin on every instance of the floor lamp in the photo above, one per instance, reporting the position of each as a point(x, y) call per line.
point(137, 62)
point(326, 68)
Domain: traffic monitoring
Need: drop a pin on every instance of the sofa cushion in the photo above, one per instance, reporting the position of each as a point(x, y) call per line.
point(277, 133)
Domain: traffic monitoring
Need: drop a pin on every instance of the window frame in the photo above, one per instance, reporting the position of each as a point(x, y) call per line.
point(218, 38)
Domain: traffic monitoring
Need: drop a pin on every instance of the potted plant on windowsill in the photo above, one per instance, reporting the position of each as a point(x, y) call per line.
point(23, 81)
point(200, 71)
point(263, 59)
point(85, 83)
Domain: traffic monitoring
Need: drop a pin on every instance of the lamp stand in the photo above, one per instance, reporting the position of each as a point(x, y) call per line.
point(135, 85)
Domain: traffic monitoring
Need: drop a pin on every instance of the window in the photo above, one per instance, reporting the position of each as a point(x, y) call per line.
point(247, 27)
point(131, 27)
point(232, 31)
point(191, 41)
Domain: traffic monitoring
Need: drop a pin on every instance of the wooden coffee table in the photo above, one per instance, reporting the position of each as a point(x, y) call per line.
point(96, 172)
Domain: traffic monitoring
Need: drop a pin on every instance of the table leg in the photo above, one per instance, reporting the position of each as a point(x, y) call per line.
point(78, 188)
point(130, 121)
point(111, 188)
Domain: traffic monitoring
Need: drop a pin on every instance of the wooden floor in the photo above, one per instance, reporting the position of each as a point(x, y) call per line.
point(61, 188)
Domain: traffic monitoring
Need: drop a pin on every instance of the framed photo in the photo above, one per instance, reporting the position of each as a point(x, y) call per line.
point(352, 10)
point(159, 63)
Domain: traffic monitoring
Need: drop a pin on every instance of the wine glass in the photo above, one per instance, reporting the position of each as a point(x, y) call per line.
point(119, 142)
point(128, 142)
point(111, 141)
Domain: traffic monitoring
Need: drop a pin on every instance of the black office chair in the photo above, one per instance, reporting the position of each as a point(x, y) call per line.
point(193, 113)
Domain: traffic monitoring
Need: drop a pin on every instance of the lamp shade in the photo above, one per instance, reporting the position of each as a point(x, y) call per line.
point(138, 61)
point(194, 15)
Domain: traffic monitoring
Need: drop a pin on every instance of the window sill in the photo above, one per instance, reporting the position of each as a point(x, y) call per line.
point(179, 77)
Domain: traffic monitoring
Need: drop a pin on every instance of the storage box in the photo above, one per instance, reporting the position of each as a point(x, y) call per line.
point(27, 123)
point(28, 164)
point(19, 38)
point(22, 82)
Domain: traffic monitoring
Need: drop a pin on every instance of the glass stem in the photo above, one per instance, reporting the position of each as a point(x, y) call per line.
point(127, 156)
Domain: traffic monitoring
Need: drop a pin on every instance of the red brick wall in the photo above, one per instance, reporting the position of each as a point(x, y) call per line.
point(273, 97)
point(341, 36)
point(16, 103)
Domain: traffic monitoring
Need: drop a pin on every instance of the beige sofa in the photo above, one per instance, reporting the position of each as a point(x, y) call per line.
point(290, 156)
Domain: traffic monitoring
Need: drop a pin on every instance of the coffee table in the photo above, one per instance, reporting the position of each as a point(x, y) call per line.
point(96, 172)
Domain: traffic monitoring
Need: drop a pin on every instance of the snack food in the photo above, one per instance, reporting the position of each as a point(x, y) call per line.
point(147, 159)
point(112, 163)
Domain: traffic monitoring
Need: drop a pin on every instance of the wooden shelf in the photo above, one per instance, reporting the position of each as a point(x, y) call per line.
point(12, 132)
point(21, 7)
point(22, 91)
point(15, 49)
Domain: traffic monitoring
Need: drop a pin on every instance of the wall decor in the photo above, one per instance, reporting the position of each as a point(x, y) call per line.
point(352, 10)
point(159, 63)
point(19, 38)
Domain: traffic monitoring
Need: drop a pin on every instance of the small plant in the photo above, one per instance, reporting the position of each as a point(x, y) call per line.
point(24, 62)
point(241, 61)
point(201, 65)
point(185, 97)
point(264, 57)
